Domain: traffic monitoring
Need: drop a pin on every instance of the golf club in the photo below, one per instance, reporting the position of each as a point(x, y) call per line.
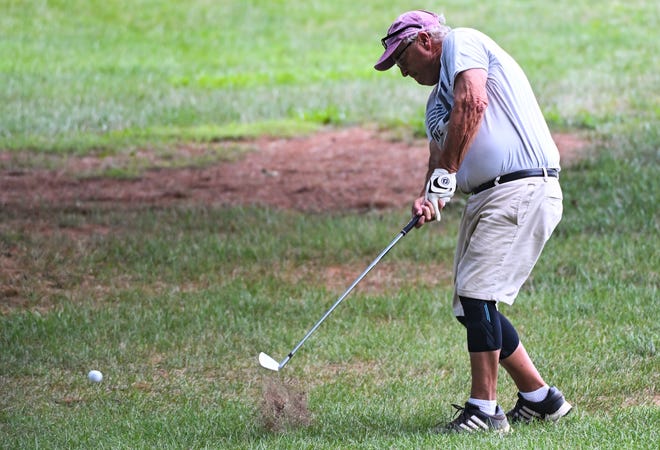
point(269, 363)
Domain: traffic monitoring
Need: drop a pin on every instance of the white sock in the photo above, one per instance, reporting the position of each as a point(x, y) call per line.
point(536, 396)
point(485, 406)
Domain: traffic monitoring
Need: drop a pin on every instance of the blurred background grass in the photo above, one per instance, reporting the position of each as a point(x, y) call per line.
point(81, 74)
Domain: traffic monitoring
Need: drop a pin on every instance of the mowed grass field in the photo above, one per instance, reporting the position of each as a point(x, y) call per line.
point(173, 304)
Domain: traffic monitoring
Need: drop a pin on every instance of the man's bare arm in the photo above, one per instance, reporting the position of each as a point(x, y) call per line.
point(470, 102)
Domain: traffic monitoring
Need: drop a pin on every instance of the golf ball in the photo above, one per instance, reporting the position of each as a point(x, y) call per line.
point(95, 376)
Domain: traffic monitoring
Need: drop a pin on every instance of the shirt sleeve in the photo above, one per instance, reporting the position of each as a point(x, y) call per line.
point(461, 51)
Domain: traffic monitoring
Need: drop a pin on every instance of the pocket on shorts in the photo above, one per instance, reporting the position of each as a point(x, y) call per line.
point(545, 195)
point(524, 202)
point(554, 200)
point(553, 189)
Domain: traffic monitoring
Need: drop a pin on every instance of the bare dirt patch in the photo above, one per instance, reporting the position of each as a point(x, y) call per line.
point(345, 169)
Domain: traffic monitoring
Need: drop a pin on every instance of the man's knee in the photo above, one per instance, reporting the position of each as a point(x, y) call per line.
point(482, 320)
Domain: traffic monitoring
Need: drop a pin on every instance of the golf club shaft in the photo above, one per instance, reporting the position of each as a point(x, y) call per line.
point(401, 234)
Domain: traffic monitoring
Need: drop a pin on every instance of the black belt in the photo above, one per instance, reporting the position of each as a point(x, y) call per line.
point(527, 173)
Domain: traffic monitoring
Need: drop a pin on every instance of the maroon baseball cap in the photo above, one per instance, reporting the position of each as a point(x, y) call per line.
point(406, 25)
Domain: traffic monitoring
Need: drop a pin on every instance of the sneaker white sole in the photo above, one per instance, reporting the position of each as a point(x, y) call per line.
point(564, 409)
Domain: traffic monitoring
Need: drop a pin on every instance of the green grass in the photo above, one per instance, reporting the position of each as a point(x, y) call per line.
point(87, 73)
point(174, 304)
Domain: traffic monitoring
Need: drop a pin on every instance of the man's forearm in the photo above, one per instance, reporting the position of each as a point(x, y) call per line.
point(459, 138)
point(434, 162)
point(470, 102)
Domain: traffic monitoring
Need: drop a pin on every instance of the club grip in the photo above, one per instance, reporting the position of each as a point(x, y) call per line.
point(410, 225)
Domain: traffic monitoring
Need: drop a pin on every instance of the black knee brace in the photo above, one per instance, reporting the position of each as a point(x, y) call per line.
point(510, 339)
point(482, 320)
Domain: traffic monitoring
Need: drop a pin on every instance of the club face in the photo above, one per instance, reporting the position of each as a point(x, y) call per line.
point(268, 363)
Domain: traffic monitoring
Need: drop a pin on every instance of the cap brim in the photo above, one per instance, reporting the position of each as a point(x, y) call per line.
point(386, 61)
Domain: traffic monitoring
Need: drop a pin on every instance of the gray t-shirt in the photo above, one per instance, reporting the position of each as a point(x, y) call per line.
point(513, 134)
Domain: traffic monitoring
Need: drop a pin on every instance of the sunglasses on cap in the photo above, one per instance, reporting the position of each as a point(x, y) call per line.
point(397, 32)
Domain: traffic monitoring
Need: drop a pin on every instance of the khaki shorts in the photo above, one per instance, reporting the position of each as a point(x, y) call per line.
point(502, 234)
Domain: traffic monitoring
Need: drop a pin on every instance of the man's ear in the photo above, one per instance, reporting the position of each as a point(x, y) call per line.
point(424, 39)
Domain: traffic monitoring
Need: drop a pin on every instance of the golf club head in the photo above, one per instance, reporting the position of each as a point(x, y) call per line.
point(268, 363)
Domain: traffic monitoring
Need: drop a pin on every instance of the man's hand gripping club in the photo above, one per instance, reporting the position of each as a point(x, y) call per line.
point(439, 190)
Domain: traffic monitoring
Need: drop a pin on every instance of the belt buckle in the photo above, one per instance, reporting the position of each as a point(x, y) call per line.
point(496, 181)
point(545, 174)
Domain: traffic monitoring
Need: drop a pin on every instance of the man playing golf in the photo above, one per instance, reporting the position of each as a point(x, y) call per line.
point(488, 138)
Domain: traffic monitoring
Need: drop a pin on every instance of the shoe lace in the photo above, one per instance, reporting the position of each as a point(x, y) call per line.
point(453, 422)
point(460, 410)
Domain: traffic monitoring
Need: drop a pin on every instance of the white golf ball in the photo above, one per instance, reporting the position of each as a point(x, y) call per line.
point(95, 376)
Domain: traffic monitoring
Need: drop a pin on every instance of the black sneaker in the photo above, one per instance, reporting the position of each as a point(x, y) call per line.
point(471, 419)
point(553, 408)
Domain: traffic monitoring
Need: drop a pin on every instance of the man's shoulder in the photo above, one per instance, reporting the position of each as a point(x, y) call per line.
point(470, 38)
point(465, 48)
